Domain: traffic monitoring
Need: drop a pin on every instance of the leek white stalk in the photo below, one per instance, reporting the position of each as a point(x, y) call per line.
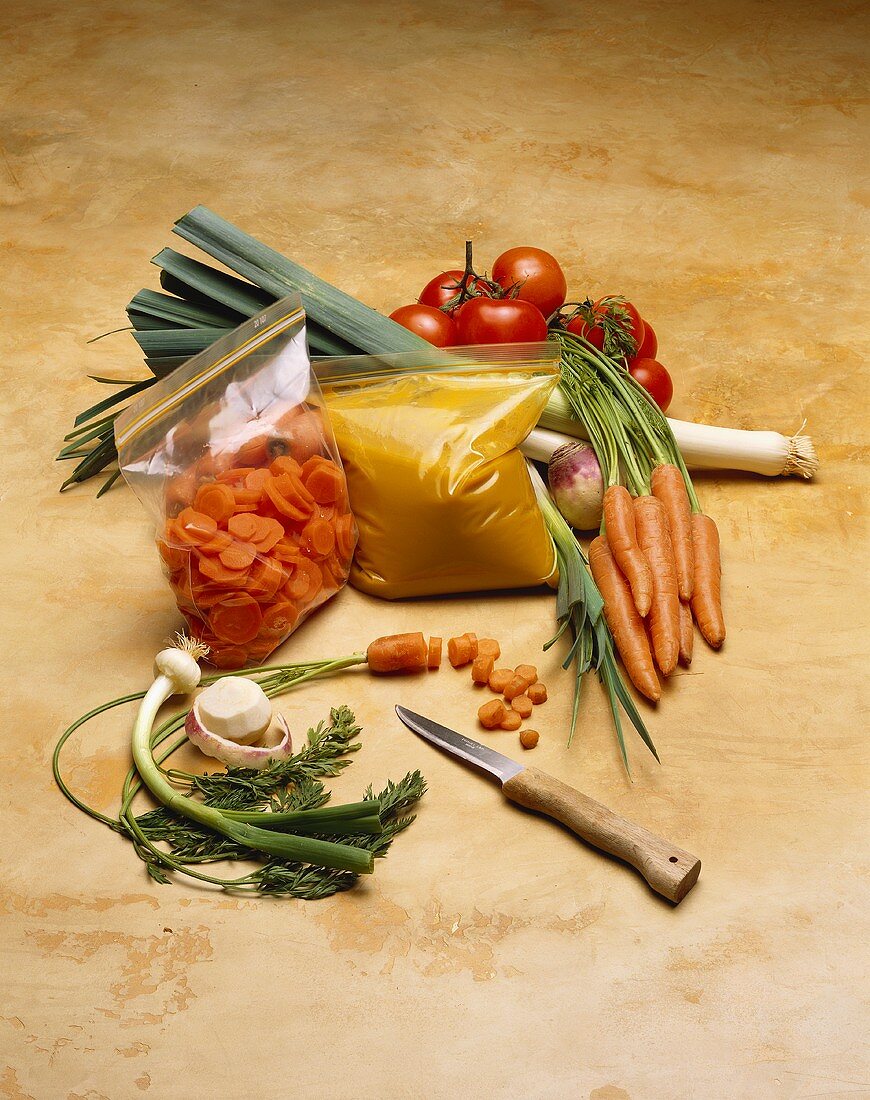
point(703, 446)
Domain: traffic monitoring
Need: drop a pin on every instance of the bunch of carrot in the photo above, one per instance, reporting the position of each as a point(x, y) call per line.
point(656, 566)
point(656, 562)
point(252, 549)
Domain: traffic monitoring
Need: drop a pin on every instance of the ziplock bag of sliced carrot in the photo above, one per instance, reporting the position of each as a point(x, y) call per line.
point(234, 456)
point(438, 487)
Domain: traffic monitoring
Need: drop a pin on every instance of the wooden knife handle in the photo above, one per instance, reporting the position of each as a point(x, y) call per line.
point(669, 870)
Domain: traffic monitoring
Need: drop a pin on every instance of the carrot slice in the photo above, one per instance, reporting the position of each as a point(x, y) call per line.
point(294, 509)
point(285, 464)
point(220, 541)
point(305, 582)
point(280, 618)
point(195, 528)
point(253, 452)
point(268, 534)
point(325, 483)
point(489, 647)
point(286, 549)
point(236, 619)
point(318, 537)
point(227, 657)
point(238, 556)
point(235, 474)
point(243, 526)
point(256, 479)
point(216, 571)
point(345, 534)
point(481, 669)
point(174, 557)
point(398, 653)
point(265, 578)
point(311, 464)
point(246, 496)
point(462, 650)
point(434, 658)
point(215, 500)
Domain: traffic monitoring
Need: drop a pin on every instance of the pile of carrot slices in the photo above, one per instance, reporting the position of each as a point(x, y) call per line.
point(251, 551)
point(657, 566)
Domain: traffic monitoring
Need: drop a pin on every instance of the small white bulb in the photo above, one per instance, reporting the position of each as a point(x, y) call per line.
point(180, 667)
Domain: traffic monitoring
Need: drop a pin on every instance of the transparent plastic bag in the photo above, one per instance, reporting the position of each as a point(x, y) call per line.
point(234, 457)
point(438, 487)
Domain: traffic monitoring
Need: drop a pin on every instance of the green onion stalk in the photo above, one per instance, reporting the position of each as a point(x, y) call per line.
point(579, 609)
point(626, 428)
point(278, 834)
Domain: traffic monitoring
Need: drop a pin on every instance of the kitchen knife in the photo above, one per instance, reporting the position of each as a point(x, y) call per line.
point(669, 870)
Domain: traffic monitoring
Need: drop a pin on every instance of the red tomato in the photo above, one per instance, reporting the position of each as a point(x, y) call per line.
point(635, 327)
point(649, 346)
point(595, 335)
point(538, 275)
point(654, 379)
point(500, 321)
point(427, 321)
point(438, 291)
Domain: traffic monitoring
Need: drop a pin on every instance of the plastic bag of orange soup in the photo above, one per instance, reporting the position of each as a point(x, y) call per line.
point(234, 456)
point(439, 489)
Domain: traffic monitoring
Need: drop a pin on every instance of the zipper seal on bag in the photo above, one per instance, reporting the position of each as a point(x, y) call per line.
point(148, 416)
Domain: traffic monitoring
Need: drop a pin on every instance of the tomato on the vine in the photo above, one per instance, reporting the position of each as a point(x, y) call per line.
point(500, 321)
point(538, 275)
point(440, 290)
point(649, 346)
point(594, 333)
point(432, 324)
point(654, 379)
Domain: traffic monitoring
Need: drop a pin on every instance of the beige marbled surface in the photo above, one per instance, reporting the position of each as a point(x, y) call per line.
point(706, 160)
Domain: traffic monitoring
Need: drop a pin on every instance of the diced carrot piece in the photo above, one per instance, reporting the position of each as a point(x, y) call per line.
point(481, 669)
point(236, 619)
point(398, 653)
point(537, 692)
point(489, 647)
point(462, 650)
point(527, 672)
point(511, 721)
point(522, 704)
point(434, 659)
point(491, 714)
point(500, 679)
point(516, 687)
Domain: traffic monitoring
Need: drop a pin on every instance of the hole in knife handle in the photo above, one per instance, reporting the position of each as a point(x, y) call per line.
point(674, 859)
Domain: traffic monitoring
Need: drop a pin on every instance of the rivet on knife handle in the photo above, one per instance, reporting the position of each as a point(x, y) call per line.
point(669, 870)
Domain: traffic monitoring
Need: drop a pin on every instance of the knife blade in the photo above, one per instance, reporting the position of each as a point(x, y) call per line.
point(669, 870)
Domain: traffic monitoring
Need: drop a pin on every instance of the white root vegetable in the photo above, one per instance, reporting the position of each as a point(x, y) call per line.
point(236, 709)
point(703, 446)
point(576, 484)
point(231, 752)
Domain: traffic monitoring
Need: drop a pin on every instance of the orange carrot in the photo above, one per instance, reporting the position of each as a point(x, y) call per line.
point(481, 669)
point(522, 705)
point(622, 617)
point(526, 672)
point(669, 487)
point(305, 582)
point(537, 692)
point(489, 647)
point(687, 634)
point(318, 538)
point(325, 483)
point(434, 660)
point(398, 653)
point(654, 539)
point(622, 541)
point(707, 598)
point(240, 555)
point(280, 618)
point(516, 687)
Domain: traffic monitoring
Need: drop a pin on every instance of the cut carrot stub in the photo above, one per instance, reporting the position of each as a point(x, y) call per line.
point(488, 647)
point(687, 635)
point(517, 686)
point(215, 500)
point(537, 693)
point(240, 555)
point(462, 650)
point(522, 704)
point(511, 721)
point(434, 660)
point(492, 714)
point(236, 619)
point(481, 669)
point(398, 653)
point(500, 678)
